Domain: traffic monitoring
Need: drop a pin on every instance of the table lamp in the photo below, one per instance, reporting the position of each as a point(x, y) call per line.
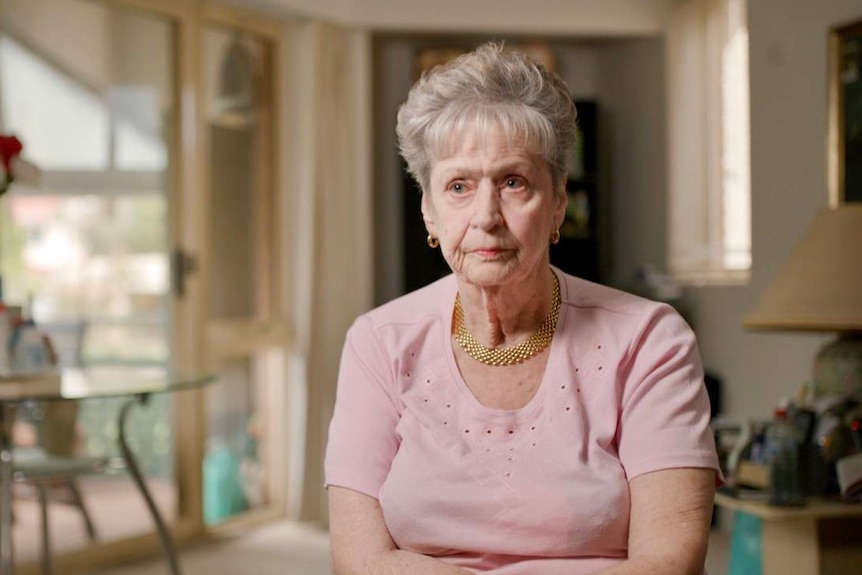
point(819, 288)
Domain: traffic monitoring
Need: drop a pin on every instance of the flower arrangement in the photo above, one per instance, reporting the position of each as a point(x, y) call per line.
point(10, 149)
point(13, 166)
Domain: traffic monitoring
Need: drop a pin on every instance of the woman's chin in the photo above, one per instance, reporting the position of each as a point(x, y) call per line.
point(491, 273)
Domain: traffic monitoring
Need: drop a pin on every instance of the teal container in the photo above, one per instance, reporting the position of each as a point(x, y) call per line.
point(222, 489)
point(746, 545)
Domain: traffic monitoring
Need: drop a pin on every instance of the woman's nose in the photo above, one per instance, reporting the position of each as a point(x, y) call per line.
point(486, 208)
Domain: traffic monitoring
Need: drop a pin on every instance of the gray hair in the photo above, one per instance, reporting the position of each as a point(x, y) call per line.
point(482, 88)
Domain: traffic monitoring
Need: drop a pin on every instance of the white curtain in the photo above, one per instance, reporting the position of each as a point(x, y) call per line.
point(326, 128)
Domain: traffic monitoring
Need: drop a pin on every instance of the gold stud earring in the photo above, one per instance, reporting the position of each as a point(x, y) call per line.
point(432, 241)
point(555, 237)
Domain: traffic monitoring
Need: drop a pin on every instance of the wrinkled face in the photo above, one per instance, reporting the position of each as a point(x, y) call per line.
point(492, 205)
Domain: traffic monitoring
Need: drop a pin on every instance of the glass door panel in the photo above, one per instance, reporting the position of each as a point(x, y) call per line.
point(243, 331)
point(238, 185)
point(89, 89)
point(235, 472)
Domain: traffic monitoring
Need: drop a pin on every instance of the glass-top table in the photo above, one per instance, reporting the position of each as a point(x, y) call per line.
point(77, 385)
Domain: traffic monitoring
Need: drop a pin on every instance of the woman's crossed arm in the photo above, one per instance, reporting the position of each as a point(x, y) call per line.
point(361, 544)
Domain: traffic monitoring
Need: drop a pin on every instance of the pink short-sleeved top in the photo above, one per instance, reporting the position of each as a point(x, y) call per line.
point(541, 489)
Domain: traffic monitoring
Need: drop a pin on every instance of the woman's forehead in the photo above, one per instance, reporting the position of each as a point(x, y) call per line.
point(481, 134)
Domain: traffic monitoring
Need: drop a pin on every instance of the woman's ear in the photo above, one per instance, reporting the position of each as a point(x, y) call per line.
point(428, 214)
point(560, 207)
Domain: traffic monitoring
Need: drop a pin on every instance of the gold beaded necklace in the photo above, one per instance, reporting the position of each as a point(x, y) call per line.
point(538, 341)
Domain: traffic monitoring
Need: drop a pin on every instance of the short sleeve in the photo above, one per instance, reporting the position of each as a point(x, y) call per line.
point(664, 419)
point(362, 434)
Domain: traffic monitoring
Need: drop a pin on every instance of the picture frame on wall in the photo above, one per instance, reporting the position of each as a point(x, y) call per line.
point(845, 115)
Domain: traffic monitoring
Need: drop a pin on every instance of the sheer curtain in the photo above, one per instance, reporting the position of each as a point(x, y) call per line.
point(709, 169)
point(326, 129)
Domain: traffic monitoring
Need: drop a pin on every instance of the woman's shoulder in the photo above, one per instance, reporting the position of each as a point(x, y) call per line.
point(582, 293)
point(425, 304)
point(629, 316)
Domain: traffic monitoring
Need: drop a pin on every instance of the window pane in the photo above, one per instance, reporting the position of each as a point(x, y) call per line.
point(234, 470)
point(235, 173)
point(138, 144)
point(99, 257)
point(65, 124)
point(735, 143)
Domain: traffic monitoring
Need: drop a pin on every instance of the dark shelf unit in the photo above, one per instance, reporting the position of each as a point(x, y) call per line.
point(578, 250)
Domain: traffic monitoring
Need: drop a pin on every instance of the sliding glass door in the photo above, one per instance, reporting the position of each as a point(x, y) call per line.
point(148, 246)
point(90, 90)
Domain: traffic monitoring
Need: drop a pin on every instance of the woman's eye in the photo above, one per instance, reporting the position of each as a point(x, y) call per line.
point(514, 183)
point(457, 187)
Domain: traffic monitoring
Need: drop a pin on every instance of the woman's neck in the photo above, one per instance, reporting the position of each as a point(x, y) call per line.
point(506, 315)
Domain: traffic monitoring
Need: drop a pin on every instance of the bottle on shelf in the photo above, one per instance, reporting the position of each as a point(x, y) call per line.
point(782, 448)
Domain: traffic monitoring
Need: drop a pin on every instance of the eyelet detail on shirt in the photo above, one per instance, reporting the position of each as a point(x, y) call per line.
point(425, 400)
point(488, 432)
point(577, 369)
point(600, 368)
point(511, 432)
point(568, 408)
point(427, 381)
point(600, 347)
point(508, 474)
point(562, 387)
point(533, 428)
point(466, 431)
point(448, 406)
point(445, 423)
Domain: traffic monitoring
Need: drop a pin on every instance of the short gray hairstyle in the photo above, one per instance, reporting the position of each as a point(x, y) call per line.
point(482, 88)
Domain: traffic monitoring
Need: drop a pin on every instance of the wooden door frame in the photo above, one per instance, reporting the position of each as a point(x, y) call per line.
point(269, 329)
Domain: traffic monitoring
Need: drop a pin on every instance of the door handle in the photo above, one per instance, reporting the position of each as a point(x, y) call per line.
point(182, 264)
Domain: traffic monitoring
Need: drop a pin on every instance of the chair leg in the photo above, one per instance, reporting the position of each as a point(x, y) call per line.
point(46, 536)
point(79, 501)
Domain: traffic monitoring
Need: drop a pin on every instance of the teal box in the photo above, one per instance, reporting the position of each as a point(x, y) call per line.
point(746, 545)
point(222, 492)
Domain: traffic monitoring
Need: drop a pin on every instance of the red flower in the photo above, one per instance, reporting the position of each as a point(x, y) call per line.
point(10, 148)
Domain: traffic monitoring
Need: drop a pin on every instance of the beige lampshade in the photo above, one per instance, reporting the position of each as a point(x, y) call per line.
point(819, 287)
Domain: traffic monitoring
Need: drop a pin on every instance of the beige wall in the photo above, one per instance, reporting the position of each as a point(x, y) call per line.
point(632, 99)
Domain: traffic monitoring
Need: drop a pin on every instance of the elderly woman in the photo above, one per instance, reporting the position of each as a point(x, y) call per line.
point(509, 418)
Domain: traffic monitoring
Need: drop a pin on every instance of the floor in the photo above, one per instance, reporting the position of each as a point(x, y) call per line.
point(290, 549)
point(116, 508)
point(278, 549)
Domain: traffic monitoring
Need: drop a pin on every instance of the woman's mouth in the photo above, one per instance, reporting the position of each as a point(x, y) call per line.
point(489, 253)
